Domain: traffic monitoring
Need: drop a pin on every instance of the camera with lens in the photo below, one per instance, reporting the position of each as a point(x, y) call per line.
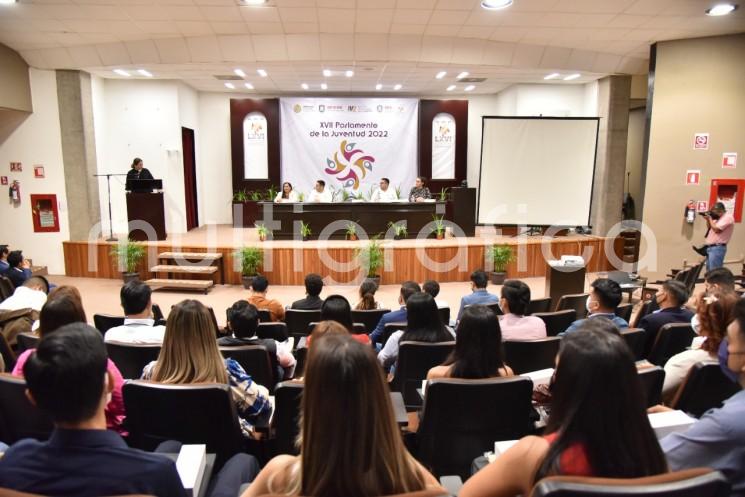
point(711, 214)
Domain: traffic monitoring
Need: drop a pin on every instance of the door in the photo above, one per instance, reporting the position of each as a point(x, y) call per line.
point(190, 178)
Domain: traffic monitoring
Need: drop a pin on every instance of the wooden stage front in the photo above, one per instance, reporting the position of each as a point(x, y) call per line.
point(287, 262)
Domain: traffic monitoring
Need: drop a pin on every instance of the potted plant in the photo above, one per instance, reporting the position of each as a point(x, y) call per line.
point(443, 194)
point(271, 192)
point(305, 231)
point(301, 196)
point(501, 256)
point(251, 258)
point(262, 231)
point(240, 196)
point(370, 258)
point(128, 255)
point(245, 205)
point(399, 230)
point(256, 196)
point(398, 192)
point(439, 229)
point(351, 230)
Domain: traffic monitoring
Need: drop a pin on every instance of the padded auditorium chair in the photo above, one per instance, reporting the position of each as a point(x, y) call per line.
point(461, 419)
point(389, 329)
point(635, 338)
point(104, 322)
point(576, 301)
point(539, 305)
point(298, 320)
point(6, 287)
point(444, 314)
point(287, 397)
point(27, 341)
point(415, 359)
point(533, 355)
point(18, 417)
point(131, 359)
point(624, 311)
point(652, 380)
point(276, 331)
point(557, 322)
point(697, 482)
point(369, 318)
point(705, 387)
point(255, 360)
point(671, 339)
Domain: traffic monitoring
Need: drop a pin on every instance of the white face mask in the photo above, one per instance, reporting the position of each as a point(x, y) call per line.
point(587, 304)
point(696, 324)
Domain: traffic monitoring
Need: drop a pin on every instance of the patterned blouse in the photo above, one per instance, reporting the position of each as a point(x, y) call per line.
point(251, 399)
point(416, 193)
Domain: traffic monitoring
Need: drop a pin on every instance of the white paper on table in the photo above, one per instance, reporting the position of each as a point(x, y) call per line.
point(665, 423)
point(540, 377)
point(503, 445)
point(190, 465)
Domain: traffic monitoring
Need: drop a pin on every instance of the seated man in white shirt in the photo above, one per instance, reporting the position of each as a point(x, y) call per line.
point(515, 325)
point(32, 295)
point(385, 193)
point(138, 327)
point(320, 193)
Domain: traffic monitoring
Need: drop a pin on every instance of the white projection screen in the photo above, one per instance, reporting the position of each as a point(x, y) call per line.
point(537, 170)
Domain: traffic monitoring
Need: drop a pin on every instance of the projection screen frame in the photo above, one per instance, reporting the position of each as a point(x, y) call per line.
point(543, 118)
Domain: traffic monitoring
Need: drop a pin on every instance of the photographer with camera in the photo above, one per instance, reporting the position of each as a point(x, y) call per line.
point(719, 227)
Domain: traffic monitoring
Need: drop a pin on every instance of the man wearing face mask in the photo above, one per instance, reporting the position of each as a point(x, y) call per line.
point(719, 227)
point(717, 440)
point(602, 302)
point(670, 300)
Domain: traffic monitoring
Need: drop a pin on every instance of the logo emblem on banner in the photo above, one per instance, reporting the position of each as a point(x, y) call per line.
point(353, 157)
point(297, 108)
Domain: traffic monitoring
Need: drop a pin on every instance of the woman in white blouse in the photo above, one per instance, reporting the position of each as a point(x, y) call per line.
point(287, 194)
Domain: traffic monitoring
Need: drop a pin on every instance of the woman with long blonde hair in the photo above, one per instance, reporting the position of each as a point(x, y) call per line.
point(363, 456)
point(190, 355)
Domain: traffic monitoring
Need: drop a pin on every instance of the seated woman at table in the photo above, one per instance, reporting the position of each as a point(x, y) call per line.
point(287, 194)
point(419, 193)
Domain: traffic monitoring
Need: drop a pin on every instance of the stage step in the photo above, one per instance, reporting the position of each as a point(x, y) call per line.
point(204, 256)
point(196, 285)
point(172, 268)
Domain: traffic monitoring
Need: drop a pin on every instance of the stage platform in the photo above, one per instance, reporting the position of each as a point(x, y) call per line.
point(288, 261)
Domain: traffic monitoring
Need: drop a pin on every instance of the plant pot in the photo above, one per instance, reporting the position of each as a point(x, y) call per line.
point(398, 237)
point(497, 277)
point(440, 236)
point(247, 280)
point(305, 238)
point(375, 279)
point(127, 276)
point(352, 237)
point(262, 238)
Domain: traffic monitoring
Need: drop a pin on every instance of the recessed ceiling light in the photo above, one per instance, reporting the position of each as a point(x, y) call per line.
point(495, 4)
point(122, 72)
point(397, 87)
point(7, 2)
point(239, 72)
point(324, 86)
point(379, 86)
point(441, 74)
point(253, 2)
point(462, 75)
point(248, 86)
point(721, 9)
point(145, 72)
point(349, 73)
point(230, 85)
point(327, 73)
point(261, 72)
point(553, 75)
point(450, 88)
point(572, 76)
point(469, 88)
point(304, 86)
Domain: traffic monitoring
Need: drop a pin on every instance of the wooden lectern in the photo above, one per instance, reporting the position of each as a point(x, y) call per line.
point(462, 209)
point(145, 208)
point(563, 280)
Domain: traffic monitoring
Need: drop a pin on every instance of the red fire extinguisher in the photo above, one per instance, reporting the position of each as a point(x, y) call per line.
point(15, 192)
point(690, 212)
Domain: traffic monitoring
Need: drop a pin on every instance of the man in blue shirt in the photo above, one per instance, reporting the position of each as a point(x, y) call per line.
point(67, 378)
point(671, 298)
point(4, 266)
point(408, 288)
point(478, 295)
point(717, 440)
point(602, 302)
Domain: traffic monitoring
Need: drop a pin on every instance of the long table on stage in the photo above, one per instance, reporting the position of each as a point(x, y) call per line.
point(373, 217)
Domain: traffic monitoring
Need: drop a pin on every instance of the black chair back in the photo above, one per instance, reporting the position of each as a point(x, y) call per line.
point(190, 414)
point(298, 320)
point(275, 331)
point(671, 339)
point(287, 398)
point(624, 311)
point(533, 355)
point(635, 338)
point(705, 387)
point(651, 380)
point(444, 314)
point(357, 328)
point(539, 305)
point(693, 275)
point(557, 322)
point(495, 308)
point(415, 359)
point(265, 316)
point(27, 341)
point(255, 360)
point(131, 359)
point(697, 482)
point(647, 308)
point(576, 301)
point(369, 318)
point(389, 329)
point(18, 417)
point(6, 287)
point(104, 322)
point(9, 357)
point(461, 419)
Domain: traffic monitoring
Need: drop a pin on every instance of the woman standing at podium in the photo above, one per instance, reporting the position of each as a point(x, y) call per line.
point(138, 171)
point(287, 194)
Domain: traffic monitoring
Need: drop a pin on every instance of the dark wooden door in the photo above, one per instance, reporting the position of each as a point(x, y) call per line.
point(190, 178)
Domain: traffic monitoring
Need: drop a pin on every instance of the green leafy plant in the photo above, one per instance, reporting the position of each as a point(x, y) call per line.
point(128, 254)
point(370, 193)
point(301, 196)
point(351, 229)
point(271, 192)
point(256, 196)
point(398, 191)
point(370, 256)
point(439, 228)
point(399, 229)
point(345, 195)
point(501, 256)
point(358, 196)
point(262, 231)
point(251, 259)
point(305, 230)
point(240, 196)
point(444, 194)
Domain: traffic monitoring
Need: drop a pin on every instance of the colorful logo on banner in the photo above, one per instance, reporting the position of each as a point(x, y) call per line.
point(352, 158)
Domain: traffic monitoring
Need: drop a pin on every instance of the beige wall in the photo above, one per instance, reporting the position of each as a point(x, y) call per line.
point(15, 90)
point(698, 88)
point(634, 152)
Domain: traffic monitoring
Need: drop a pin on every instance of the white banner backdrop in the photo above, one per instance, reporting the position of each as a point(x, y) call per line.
point(443, 146)
point(350, 143)
point(255, 147)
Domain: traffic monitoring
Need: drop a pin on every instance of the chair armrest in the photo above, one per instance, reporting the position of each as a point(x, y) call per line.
point(452, 484)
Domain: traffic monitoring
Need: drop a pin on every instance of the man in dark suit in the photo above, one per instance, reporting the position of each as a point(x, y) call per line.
point(312, 301)
point(408, 288)
point(19, 269)
point(670, 299)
